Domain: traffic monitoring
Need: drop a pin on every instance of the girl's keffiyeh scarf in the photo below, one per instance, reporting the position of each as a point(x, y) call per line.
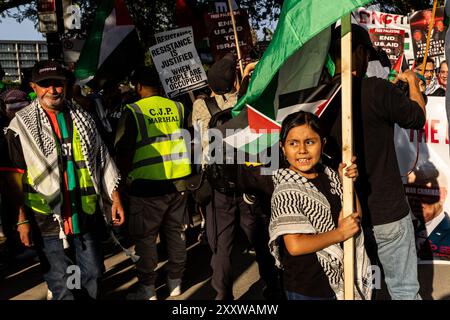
point(41, 154)
point(298, 207)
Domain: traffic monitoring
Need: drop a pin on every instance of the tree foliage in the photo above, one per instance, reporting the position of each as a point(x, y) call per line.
point(262, 12)
point(10, 4)
point(152, 16)
point(27, 9)
point(405, 7)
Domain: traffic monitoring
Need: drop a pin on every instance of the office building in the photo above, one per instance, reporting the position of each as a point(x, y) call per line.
point(15, 56)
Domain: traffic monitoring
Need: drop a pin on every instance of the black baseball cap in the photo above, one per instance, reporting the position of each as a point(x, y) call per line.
point(222, 74)
point(146, 76)
point(48, 70)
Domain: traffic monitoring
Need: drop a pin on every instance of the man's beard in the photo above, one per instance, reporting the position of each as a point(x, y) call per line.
point(54, 102)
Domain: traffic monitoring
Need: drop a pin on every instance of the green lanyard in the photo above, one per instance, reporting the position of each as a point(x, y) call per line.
point(71, 176)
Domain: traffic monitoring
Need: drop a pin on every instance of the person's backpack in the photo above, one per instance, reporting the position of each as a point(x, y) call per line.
point(221, 176)
point(218, 116)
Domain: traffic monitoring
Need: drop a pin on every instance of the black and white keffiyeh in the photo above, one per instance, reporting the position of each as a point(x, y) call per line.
point(299, 207)
point(432, 86)
point(41, 154)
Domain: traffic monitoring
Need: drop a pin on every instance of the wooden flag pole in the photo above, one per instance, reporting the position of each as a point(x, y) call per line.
point(236, 40)
point(191, 95)
point(430, 27)
point(347, 149)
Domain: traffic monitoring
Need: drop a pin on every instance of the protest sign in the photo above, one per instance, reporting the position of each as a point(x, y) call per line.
point(390, 24)
point(178, 63)
point(72, 49)
point(172, 34)
point(419, 22)
point(371, 19)
point(221, 34)
point(390, 40)
point(427, 185)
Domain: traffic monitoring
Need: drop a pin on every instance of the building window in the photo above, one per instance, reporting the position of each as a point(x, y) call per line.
point(7, 56)
point(27, 48)
point(7, 47)
point(43, 48)
point(9, 64)
point(10, 72)
point(27, 56)
point(27, 64)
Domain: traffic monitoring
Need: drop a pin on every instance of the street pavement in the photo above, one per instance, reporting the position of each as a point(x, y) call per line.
point(22, 279)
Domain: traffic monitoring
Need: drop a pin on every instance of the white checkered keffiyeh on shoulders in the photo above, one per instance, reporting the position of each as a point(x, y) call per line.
point(299, 207)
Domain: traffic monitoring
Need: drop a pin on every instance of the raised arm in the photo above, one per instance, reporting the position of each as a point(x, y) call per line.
point(414, 90)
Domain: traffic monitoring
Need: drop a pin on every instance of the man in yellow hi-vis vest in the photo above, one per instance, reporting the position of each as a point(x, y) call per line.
point(62, 168)
point(153, 154)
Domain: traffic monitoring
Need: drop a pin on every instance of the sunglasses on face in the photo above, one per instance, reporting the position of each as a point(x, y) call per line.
point(50, 83)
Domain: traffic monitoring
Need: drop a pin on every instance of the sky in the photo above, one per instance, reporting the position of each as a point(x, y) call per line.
point(12, 30)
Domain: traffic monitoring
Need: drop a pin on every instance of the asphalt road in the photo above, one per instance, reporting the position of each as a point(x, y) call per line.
point(22, 280)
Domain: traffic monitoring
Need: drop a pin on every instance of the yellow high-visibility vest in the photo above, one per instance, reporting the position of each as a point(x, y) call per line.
point(161, 151)
point(37, 203)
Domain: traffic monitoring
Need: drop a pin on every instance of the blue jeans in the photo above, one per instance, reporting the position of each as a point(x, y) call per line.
point(55, 260)
point(290, 295)
point(398, 257)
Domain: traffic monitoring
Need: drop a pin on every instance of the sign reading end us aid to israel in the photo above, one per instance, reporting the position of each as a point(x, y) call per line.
point(178, 64)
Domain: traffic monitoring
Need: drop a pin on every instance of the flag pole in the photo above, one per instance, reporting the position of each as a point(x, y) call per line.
point(191, 95)
point(430, 27)
point(236, 40)
point(347, 148)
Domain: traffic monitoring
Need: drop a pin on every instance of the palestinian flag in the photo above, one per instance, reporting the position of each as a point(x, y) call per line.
point(398, 67)
point(286, 79)
point(297, 53)
point(252, 132)
point(314, 100)
point(112, 48)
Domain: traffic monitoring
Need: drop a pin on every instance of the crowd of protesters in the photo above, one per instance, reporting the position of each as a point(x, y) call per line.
point(74, 164)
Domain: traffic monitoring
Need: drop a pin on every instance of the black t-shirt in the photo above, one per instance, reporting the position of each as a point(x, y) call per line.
point(304, 274)
point(377, 106)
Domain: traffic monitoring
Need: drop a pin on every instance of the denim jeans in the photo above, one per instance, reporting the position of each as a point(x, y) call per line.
point(55, 261)
point(297, 296)
point(398, 257)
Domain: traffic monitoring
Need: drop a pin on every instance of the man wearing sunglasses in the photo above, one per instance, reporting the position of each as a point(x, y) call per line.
point(62, 169)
